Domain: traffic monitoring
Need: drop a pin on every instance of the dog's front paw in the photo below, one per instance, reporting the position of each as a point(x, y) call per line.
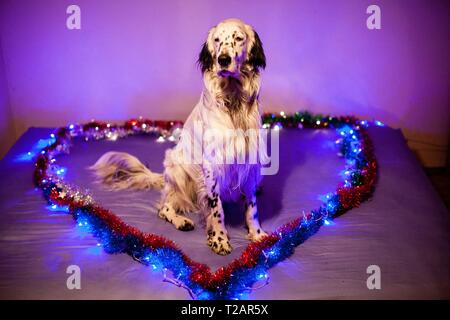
point(219, 242)
point(256, 235)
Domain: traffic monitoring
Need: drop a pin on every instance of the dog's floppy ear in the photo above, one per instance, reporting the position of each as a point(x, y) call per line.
point(257, 58)
point(205, 59)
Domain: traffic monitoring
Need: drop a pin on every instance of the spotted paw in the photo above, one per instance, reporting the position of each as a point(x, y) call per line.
point(219, 243)
point(179, 221)
point(256, 235)
point(184, 224)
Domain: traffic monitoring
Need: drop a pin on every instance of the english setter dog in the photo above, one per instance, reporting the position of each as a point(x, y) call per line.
point(230, 60)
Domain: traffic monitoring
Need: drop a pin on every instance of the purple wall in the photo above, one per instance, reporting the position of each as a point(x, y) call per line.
point(138, 58)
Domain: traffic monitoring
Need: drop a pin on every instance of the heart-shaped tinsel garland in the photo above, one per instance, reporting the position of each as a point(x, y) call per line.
point(235, 280)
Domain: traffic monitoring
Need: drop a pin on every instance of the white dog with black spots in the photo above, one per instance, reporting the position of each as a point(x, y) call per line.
point(230, 60)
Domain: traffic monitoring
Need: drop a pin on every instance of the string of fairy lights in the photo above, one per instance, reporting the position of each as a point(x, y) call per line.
point(239, 278)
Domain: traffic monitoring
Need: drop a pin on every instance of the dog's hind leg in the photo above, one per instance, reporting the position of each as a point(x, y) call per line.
point(172, 215)
point(180, 222)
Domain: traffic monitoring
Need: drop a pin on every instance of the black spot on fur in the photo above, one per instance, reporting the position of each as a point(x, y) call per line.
point(221, 232)
point(259, 231)
point(187, 226)
point(219, 238)
point(220, 221)
point(205, 59)
point(212, 202)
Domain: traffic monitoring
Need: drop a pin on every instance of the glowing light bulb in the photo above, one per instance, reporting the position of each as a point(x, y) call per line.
point(277, 127)
point(262, 276)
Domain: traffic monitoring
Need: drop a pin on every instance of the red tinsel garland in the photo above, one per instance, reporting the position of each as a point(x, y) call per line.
point(201, 274)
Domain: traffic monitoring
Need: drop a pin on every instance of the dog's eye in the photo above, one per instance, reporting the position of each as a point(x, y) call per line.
point(216, 39)
point(239, 39)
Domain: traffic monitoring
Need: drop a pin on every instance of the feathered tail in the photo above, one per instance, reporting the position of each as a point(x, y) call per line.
point(119, 170)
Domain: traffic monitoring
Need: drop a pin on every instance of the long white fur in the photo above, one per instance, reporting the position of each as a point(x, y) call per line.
point(201, 187)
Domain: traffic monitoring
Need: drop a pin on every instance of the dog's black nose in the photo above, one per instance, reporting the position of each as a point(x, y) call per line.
point(224, 60)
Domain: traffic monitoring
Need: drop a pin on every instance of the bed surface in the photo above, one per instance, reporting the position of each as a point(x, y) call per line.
point(404, 228)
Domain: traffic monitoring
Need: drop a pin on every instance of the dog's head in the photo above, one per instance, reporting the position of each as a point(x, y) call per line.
point(231, 48)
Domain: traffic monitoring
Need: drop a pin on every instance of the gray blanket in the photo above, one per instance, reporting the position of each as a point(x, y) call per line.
point(404, 229)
